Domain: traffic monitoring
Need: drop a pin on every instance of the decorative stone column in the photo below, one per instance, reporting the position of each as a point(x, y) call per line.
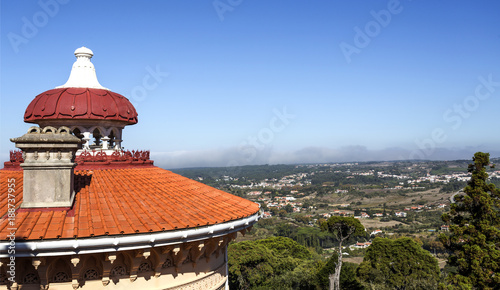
point(86, 139)
point(48, 166)
point(105, 142)
point(118, 144)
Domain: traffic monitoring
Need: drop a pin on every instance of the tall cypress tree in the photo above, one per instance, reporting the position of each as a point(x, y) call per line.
point(474, 238)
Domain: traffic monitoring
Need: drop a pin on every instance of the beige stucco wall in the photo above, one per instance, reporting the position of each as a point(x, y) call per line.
point(195, 265)
point(202, 277)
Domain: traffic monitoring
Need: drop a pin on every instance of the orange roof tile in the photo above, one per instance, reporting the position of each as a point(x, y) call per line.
point(123, 201)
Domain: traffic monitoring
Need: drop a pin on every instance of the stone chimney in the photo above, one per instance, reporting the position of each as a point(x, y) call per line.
point(48, 166)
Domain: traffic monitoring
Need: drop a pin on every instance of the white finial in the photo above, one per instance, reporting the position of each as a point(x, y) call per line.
point(83, 73)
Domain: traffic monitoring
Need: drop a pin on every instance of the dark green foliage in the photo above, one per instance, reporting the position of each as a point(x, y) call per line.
point(250, 264)
point(284, 229)
point(453, 186)
point(326, 270)
point(302, 219)
point(398, 264)
point(338, 179)
point(248, 172)
point(284, 247)
point(343, 227)
point(442, 168)
point(289, 208)
point(348, 279)
point(273, 263)
point(474, 240)
point(313, 237)
point(306, 236)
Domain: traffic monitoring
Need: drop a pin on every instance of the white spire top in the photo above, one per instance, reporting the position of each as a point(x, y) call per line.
point(83, 73)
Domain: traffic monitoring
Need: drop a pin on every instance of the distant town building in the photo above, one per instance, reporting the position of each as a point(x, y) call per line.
point(267, 214)
point(361, 245)
point(400, 214)
point(364, 215)
point(254, 193)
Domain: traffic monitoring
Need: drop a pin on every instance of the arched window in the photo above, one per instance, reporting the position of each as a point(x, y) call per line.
point(59, 271)
point(112, 139)
point(97, 137)
point(78, 133)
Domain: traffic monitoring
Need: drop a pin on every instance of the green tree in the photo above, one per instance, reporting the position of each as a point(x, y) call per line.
point(303, 219)
point(250, 264)
point(284, 229)
point(307, 204)
point(474, 239)
point(342, 228)
point(398, 264)
point(273, 263)
point(348, 279)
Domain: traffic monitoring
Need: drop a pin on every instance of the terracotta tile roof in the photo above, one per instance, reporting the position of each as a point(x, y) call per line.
point(123, 201)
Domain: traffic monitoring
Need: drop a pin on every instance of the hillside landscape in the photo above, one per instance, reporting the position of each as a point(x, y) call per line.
point(393, 200)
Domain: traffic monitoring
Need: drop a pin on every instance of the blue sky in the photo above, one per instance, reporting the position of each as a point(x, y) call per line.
point(255, 82)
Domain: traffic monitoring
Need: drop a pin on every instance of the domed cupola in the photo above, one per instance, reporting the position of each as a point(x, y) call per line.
point(94, 113)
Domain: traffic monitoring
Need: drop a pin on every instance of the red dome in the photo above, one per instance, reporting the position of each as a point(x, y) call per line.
point(79, 104)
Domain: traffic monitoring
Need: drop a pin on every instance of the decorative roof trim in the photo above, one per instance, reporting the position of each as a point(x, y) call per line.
point(95, 160)
point(126, 242)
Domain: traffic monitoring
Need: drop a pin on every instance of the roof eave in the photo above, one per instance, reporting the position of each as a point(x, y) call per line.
point(92, 245)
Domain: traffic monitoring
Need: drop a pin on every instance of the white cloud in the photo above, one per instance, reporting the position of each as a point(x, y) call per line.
point(236, 156)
